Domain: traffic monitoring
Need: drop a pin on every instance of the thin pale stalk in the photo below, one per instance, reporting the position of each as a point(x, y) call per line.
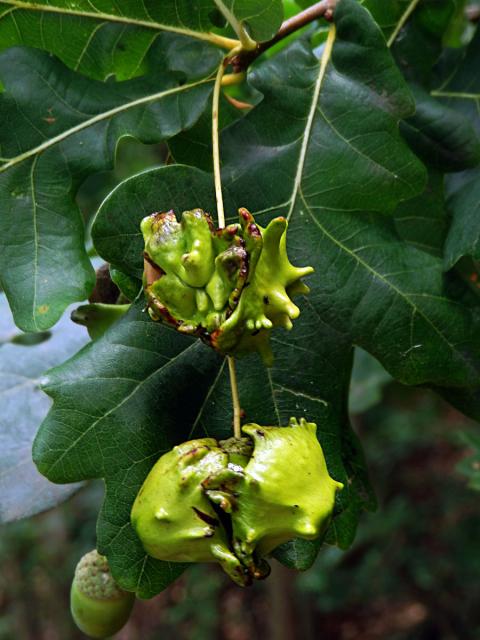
point(237, 410)
point(245, 40)
point(216, 145)
point(237, 432)
point(401, 23)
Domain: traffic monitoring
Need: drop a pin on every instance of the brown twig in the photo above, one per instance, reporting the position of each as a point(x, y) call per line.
point(323, 9)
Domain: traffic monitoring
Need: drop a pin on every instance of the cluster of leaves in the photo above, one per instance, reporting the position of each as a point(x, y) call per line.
point(365, 139)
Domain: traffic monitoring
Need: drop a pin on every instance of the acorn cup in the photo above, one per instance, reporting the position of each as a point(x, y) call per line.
point(234, 501)
point(98, 606)
point(229, 286)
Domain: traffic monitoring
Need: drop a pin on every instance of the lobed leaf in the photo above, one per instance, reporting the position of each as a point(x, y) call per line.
point(67, 127)
point(101, 38)
point(321, 150)
point(461, 90)
point(462, 93)
point(439, 135)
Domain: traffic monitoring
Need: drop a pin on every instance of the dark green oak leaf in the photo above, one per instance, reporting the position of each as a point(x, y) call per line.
point(422, 221)
point(443, 138)
point(102, 38)
point(417, 38)
point(324, 171)
point(462, 92)
point(461, 88)
point(57, 128)
point(431, 21)
point(463, 237)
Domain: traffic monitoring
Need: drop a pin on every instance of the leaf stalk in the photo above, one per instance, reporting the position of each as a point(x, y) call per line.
point(324, 9)
point(246, 41)
point(237, 410)
point(216, 144)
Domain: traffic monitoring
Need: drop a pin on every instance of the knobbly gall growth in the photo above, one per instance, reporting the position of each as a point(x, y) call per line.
point(229, 286)
point(284, 492)
point(173, 516)
point(99, 607)
point(234, 501)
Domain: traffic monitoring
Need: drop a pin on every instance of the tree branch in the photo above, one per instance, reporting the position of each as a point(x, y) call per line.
point(323, 9)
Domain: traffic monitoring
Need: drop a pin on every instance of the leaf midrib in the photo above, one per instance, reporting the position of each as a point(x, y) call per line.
point(35, 245)
point(118, 405)
point(405, 297)
point(99, 15)
point(106, 115)
point(326, 55)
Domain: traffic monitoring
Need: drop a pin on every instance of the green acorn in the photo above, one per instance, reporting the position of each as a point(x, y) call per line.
point(172, 515)
point(229, 286)
point(99, 607)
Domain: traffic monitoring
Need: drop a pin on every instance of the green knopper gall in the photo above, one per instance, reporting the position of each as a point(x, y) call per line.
point(284, 492)
point(99, 607)
point(236, 500)
point(229, 286)
point(172, 515)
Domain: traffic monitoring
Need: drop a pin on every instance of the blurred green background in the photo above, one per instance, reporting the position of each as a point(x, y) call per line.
point(412, 573)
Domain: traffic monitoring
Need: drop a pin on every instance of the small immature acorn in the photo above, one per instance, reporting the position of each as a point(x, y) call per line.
point(229, 286)
point(99, 607)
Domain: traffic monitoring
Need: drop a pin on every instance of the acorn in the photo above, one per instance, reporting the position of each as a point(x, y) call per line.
point(99, 607)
